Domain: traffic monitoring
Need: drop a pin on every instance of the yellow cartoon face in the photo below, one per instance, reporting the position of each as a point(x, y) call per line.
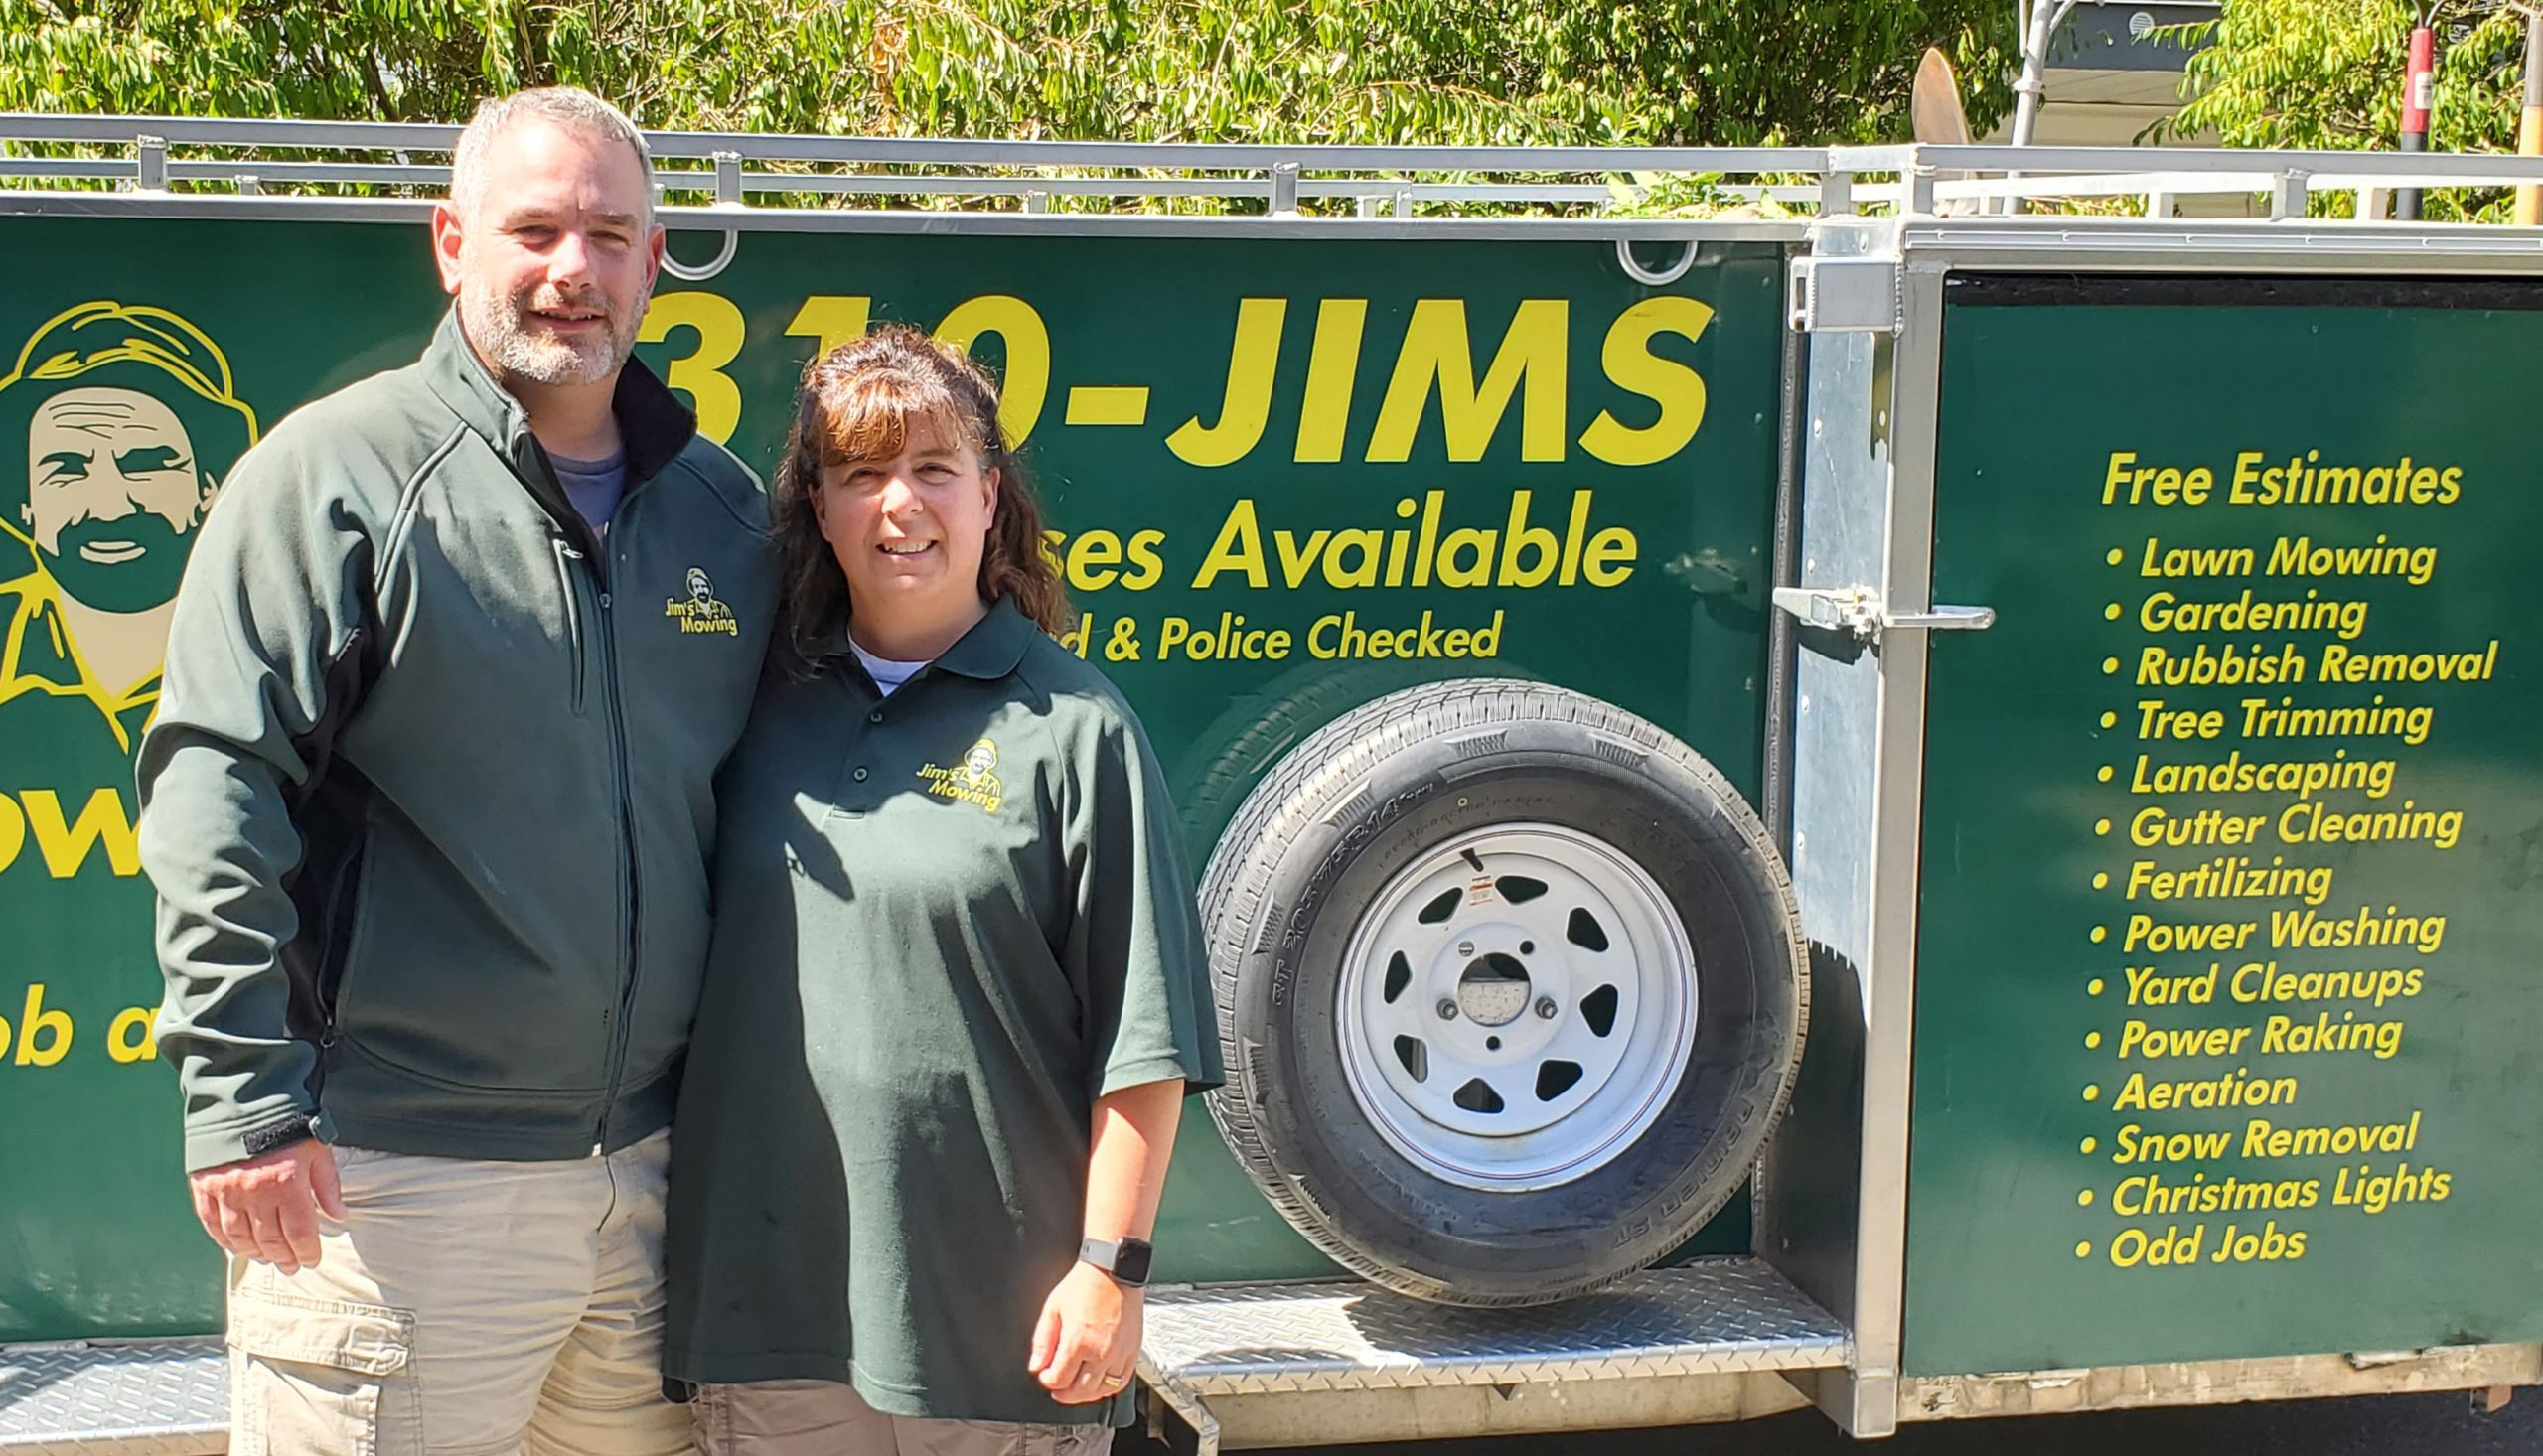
point(114, 495)
point(983, 758)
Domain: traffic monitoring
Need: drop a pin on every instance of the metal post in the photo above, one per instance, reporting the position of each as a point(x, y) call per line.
point(2045, 17)
point(150, 154)
point(1284, 189)
point(2529, 124)
point(2419, 98)
point(2286, 199)
point(1835, 194)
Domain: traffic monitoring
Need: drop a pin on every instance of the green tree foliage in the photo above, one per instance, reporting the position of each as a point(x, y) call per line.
point(2329, 74)
point(1685, 71)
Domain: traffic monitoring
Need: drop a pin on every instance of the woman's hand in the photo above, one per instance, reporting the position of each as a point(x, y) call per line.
point(1086, 1346)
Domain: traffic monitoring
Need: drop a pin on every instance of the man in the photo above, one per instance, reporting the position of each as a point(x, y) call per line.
point(428, 804)
point(130, 422)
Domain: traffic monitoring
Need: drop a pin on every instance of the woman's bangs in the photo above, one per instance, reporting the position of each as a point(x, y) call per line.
point(875, 417)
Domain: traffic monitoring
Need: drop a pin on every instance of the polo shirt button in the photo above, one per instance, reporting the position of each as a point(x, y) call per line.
point(604, 599)
point(860, 776)
point(875, 716)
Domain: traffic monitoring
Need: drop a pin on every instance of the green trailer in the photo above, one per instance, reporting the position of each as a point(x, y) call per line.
point(1757, 850)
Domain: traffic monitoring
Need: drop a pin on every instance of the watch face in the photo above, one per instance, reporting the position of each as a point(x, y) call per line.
point(1131, 1260)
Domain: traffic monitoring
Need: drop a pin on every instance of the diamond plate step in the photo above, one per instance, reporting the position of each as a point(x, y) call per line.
point(129, 1397)
point(1713, 1316)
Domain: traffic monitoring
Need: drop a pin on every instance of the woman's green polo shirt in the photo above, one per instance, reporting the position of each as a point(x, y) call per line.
point(946, 923)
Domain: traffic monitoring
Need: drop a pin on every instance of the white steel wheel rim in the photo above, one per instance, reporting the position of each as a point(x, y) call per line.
point(1486, 1067)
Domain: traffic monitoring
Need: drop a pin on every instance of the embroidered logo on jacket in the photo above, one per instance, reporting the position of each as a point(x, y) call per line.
point(701, 612)
point(970, 781)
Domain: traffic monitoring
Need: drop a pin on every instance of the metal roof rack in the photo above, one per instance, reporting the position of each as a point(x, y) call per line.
point(360, 171)
point(739, 165)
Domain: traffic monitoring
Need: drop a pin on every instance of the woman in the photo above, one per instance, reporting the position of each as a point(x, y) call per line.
point(956, 993)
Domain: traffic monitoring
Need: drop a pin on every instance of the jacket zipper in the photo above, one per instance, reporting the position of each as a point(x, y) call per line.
point(567, 555)
point(628, 883)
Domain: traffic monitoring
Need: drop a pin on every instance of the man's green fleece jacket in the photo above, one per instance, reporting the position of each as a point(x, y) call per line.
point(429, 796)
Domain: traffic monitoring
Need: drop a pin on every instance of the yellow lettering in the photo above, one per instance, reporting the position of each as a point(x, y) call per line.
point(1437, 348)
point(1610, 557)
point(1028, 356)
point(1333, 367)
point(66, 846)
point(119, 1037)
point(832, 318)
point(1522, 536)
point(1090, 557)
point(1150, 567)
point(1238, 549)
point(1476, 573)
point(1247, 405)
point(41, 1022)
point(701, 374)
point(1630, 365)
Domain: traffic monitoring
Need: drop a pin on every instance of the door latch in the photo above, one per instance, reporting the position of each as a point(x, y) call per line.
point(1859, 610)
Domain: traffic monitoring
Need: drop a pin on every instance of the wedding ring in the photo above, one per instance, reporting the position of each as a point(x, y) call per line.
point(1112, 1380)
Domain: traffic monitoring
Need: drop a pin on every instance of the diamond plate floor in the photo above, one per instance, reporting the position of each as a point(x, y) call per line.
point(140, 1397)
point(1715, 1315)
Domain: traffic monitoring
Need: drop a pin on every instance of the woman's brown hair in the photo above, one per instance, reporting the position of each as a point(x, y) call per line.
point(861, 402)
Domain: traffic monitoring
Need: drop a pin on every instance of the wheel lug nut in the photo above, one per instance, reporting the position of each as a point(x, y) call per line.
point(1465, 948)
point(1447, 1009)
point(1546, 1008)
point(1527, 948)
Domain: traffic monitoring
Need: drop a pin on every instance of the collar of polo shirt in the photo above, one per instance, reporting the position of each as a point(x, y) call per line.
point(993, 645)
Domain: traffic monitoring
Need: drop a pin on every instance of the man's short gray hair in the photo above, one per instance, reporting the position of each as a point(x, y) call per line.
point(569, 108)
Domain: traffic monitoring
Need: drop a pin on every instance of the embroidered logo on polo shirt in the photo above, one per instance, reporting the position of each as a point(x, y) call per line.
point(701, 612)
point(971, 781)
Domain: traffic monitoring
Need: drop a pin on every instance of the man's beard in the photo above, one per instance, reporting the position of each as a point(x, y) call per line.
point(504, 330)
point(134, 585)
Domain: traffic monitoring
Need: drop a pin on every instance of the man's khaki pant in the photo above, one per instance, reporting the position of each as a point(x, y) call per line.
point(465, 1308)
point(819, 1418)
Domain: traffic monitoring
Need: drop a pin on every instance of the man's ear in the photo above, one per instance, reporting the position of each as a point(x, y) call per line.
point(447, 236)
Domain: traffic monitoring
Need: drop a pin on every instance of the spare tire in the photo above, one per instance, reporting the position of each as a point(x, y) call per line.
point(1512, 988)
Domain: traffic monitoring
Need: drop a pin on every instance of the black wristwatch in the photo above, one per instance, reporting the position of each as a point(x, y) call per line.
point(1126, 1260)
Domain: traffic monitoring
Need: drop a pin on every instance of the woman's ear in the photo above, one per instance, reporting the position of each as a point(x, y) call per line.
point(988, 487)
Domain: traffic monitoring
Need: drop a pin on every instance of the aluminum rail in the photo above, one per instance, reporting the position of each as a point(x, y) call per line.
point(2449, 169)
point(936, 152)
point(1380, 180)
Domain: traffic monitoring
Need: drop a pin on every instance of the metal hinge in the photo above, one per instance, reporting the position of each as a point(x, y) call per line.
point(1859, 609)
point(1846, 295)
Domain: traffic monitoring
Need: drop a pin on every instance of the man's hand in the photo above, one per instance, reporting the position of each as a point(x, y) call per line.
point(266, 1207)
point(1086, 1346)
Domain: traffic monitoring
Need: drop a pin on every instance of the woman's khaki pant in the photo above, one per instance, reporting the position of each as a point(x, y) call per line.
point(465, 1308)
point(819, 1418)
